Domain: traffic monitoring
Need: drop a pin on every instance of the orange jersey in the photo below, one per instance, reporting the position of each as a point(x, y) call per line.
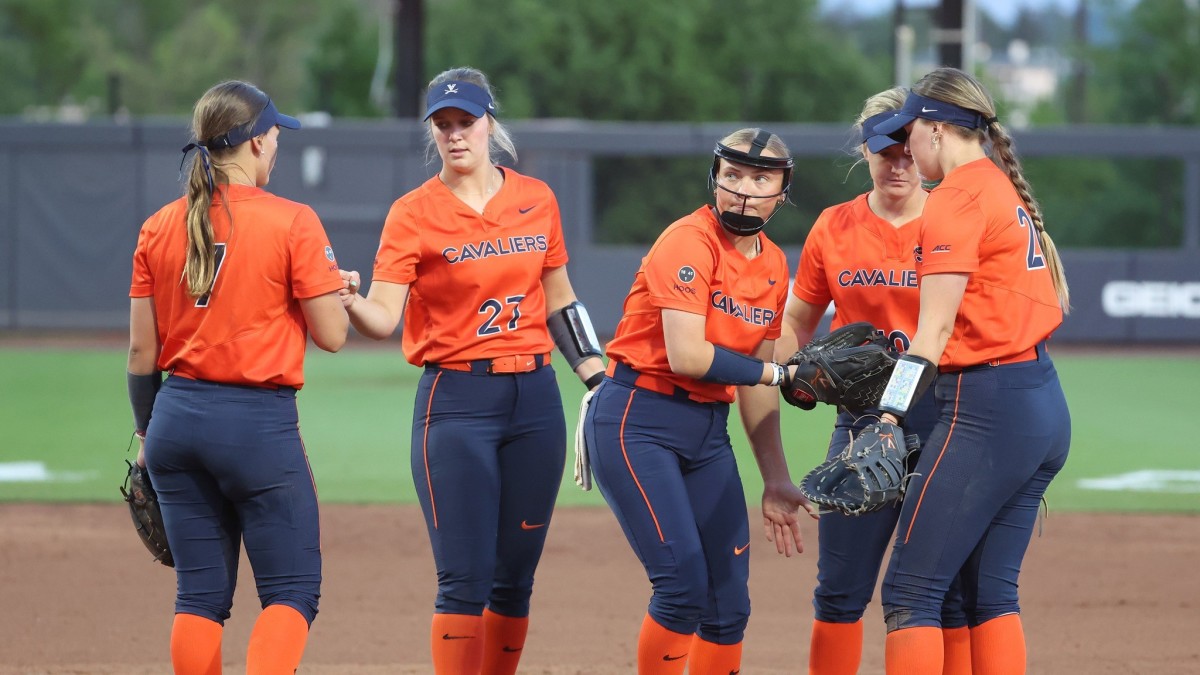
point(249, 329)
point(693, 267)
point(974, 223)
point(865, 266)
point(475, 281)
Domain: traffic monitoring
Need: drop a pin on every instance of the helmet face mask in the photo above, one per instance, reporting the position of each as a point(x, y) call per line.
point(742, 224)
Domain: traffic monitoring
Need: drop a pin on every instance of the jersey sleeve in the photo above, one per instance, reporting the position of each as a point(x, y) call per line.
point(811, 285)
point(399, 247)
point(314, 268)
point(678, 271)
point(556, 252)
point(953, 229)
point(142, 284)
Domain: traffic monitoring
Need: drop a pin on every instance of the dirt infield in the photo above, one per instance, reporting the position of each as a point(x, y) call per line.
point(1102, 594)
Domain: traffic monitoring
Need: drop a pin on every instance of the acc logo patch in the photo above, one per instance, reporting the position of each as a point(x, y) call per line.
point(329, 253)
point(917, 253)
point(686, 274)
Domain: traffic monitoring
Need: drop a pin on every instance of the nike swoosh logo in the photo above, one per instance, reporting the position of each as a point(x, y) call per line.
point(528, 209)
point(770, 282)
point(668, 657)
point(447, 636)
point(738, 550)
point(526, 526)
point(926, 110)
point(512, 650)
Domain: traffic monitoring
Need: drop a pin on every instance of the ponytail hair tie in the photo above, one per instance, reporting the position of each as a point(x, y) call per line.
point(992, 120)
point(204, 160)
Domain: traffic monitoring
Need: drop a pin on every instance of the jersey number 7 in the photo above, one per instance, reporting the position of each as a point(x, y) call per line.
point(219, 259)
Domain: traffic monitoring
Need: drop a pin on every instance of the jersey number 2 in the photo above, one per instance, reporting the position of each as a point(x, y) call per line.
point(1034, 259)
point(218, 259)
point(492, 309)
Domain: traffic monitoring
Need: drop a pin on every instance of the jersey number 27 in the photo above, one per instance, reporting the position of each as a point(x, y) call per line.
point(1034, 260)
point(493, 308)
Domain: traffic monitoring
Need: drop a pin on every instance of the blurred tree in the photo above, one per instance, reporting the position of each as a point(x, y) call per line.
point(685, 60)
point(343, 62)
point(165, 53)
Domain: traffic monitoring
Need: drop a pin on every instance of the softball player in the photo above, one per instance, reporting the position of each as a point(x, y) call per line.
point(701, 318)
point(474, 262)
point(992, 292)
point(859, 255)
point(228, 282)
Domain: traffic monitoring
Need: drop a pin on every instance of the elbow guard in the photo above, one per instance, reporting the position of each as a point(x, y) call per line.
point(571, 328)
point(910, 378)
point(142, 390)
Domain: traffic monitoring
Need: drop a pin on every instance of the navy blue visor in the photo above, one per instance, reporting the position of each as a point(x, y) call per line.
point(927, 108)
point(268, 118)
point(465, 96)
point(876, 141)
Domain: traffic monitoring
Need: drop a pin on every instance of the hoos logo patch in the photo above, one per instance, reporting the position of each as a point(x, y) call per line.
point(686, 274)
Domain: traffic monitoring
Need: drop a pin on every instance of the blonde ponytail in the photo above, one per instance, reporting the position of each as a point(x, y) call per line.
point(224, 107)
point(1002, 147)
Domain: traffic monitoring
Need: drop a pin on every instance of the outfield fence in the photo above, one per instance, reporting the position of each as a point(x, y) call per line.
point(73, 197)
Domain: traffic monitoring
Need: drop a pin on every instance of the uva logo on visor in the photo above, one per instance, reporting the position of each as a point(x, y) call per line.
point(451, 89)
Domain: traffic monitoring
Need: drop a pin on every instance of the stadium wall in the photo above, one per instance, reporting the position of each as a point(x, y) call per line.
point(73, 197)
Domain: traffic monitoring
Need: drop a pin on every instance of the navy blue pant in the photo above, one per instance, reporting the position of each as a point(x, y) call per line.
point(487, 461)
point(850, 549)
point(665, 465)
point(229, 466)
point(1002, 435)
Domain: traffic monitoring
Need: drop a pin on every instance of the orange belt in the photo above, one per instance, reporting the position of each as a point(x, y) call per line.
point(625, 375)
point(501, 365)
point(1032, 354)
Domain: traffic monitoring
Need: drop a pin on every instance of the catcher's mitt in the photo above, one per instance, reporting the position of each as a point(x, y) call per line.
point(147, 517)
point(867, 476)
point(850, 367)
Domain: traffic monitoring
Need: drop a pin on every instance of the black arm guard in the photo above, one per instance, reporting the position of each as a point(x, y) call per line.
point(911, 376)
point(571, 328)
point(142, 390)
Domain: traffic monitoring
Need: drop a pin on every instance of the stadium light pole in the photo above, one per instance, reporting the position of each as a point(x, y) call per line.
point(410, 65)
point(955, 34)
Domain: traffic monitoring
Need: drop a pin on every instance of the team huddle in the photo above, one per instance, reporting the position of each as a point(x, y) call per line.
point(951, 419)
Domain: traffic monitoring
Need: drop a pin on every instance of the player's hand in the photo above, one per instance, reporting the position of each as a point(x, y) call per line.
point(141, 458)
point(781, 504)
point(349, 292)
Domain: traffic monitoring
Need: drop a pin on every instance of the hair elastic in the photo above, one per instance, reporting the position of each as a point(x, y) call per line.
point(205, 160)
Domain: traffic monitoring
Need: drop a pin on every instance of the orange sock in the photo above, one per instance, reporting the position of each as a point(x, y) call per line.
point(503, 640)
point(661, 651)
point(710, 658)
point(835, 648)
point(457, 644)
point(998, 646)
point(914, 651)
point(277, 641)
point(956, 651)
point(196, 645)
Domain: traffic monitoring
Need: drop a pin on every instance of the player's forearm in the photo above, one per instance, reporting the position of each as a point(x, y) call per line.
point(759, 409)
point(371, 319)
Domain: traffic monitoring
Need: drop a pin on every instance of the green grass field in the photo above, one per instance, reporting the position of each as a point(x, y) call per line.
point(65, 424)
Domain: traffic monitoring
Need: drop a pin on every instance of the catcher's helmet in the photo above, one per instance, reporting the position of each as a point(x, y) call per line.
point(740, 223)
